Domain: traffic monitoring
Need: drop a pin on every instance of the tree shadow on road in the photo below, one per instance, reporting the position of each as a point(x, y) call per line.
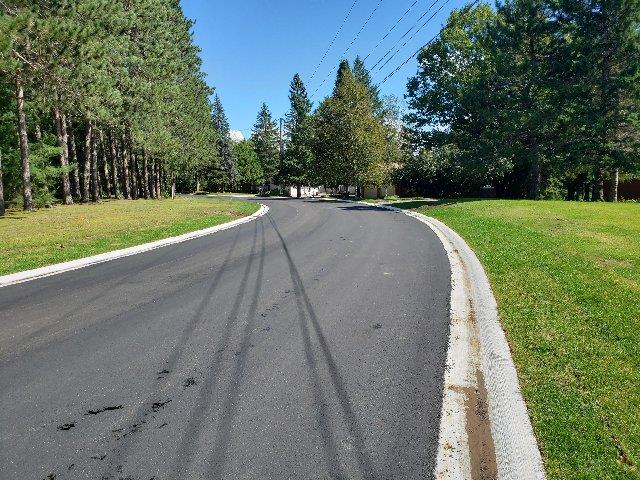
point(306, 313)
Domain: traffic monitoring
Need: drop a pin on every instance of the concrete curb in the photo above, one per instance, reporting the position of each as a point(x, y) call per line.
point(516, 449)
point(28, 275)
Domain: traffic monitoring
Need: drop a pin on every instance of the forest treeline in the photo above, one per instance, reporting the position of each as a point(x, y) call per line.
point(100, 98)
point(534, 98)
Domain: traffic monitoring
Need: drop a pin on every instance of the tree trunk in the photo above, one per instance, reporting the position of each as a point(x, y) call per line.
point(535, 180)
point(158, 180)
point(24, 146)
point(73, 153)
point(63, 143)
point(598, 188)
point(152, 177)
point(38, 133)
point(173, 185)
point(145, 175)
point(106, 178)
point(197, 183)
point(615, 181)
point(1, 189)
point(133, 165)
point(299, 192)
point(86, 168)
point(95, 174)
point(125, 168)
point(114, 166)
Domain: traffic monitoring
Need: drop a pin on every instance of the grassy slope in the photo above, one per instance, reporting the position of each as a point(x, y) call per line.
point(44, 237)
point(567, 280)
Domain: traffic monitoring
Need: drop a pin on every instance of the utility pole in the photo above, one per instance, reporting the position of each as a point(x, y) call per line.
point(281, 152)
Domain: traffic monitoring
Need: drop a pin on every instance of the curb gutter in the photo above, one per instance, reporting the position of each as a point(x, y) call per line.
point(34, 274)
point(480, 379)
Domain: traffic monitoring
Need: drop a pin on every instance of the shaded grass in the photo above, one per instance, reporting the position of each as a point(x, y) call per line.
point(48, 236)
point(566, 277)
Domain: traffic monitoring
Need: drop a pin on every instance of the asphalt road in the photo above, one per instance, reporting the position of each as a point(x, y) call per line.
point(310, 343)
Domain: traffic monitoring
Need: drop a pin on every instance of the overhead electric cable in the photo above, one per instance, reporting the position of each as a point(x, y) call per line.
point(350, 45)
point(413, 35)
point(391, 30)
point(334, 39)
point(393, 72)
point(405, 34)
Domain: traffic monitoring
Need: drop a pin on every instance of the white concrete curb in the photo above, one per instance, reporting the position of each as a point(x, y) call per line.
point(516, 449)
point(28, 275)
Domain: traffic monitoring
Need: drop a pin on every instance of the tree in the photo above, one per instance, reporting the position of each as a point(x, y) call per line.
point(598, 68)
point(363, 76)
point(265, 139)
point(298, 156)
point(249, 170)
point(349, 143)
point(456, 101)
point(225, 152)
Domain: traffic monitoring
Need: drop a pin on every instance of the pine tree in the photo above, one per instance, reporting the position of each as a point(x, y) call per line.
point(225, 152)
point(298, 156)
point(349, 141)
point(598, 68)
point(363, 76)
point(265, 138)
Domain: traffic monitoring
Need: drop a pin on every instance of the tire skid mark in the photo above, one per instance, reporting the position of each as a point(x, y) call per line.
point(195, 424)
point(230, 407)
point(125, 440)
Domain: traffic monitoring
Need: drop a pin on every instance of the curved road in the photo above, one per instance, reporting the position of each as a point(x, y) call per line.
point(310, 343)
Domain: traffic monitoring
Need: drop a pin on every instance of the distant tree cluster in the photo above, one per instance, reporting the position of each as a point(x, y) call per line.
point(351, 139)
point(536, 98)
point(102, 98)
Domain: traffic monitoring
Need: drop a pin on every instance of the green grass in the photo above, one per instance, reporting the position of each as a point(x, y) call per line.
point(44, 237)
point(566, 277)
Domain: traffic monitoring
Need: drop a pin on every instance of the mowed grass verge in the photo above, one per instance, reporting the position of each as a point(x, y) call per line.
point(566, 277)
point(48, 236)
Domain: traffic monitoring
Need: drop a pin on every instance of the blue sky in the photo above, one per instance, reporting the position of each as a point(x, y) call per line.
point(251, 49)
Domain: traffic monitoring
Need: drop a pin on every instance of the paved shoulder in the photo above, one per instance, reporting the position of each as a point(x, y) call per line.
point(310, 343)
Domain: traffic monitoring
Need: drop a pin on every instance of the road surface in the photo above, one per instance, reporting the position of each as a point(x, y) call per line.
point(310, 343)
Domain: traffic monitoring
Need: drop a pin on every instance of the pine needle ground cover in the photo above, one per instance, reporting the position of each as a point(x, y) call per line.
point(44, 237)
point(566, 277)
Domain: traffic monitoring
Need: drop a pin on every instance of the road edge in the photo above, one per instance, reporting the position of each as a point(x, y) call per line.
point(516, 449)
point(28, 275)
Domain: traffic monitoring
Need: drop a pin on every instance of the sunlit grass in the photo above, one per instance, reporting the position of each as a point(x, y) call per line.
point(567, 280)
point(47, 236)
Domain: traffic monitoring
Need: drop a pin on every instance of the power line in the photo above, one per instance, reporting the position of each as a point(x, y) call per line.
point(467, 8)
point(405, 34)
point(334, 39)
point(350, 45)
point(413, 35)
point(391, 29)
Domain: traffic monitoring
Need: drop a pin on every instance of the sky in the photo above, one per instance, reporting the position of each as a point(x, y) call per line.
point(252, 48)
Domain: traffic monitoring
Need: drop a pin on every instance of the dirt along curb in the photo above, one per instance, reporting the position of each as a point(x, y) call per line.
point(28, 275)
point(485, 430)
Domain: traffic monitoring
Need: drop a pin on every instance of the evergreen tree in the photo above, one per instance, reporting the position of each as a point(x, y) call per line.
point(363, 76)
point(265, 138)
point(349, 143)
point(225, 152)
point(249, 170)
point(598, 69)
point(298, 157)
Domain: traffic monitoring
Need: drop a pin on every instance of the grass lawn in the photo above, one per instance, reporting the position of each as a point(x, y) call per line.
point(566, 277)
point(47, 236)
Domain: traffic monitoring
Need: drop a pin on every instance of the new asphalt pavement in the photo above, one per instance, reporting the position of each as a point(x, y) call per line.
point(307, 344)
